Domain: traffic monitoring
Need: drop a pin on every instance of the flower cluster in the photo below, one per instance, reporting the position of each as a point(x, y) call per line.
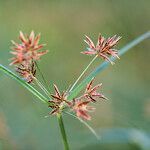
point(91, 92)
point(29, 51)
point(28, 72)
point(25, 55)
point(58, 101)
point(104, 47)
point(80, 105)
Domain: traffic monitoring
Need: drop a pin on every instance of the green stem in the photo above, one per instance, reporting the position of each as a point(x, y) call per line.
point(42, 76)
point(82, 73)
point(63, 133)
point(42, 87)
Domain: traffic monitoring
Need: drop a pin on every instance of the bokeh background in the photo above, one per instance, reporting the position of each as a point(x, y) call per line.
point(122, 121)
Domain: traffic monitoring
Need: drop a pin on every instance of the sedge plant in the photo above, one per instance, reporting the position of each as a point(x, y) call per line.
point(25, 61)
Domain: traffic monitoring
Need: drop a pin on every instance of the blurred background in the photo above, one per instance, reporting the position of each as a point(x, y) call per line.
point(123, 122)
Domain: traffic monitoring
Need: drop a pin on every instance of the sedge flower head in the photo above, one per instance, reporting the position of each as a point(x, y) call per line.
point(81, 105)
point(59, 100)
point(82, 109)
point(27, 71)
point(28, 49)
point(91, 92)
point(104, 47)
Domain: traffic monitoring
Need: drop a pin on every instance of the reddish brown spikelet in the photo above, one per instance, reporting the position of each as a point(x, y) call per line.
point(82, 108)
point(28, 50)
point(81, 105)
point(59, 99)
point(27, 71)
point(91, 92)
point(103, 48)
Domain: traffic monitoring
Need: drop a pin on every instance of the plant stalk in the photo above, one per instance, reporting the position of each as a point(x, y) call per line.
point(42, 76)
point(83, 72)
point(42, 87)
point(63, 132)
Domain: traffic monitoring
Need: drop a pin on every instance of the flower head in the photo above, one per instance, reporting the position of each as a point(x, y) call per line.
point(58, 100)
point(82, 108)
point(91, 92)
point(28, 50)
point(103, 48)
point(27, 71)
point(81, 105)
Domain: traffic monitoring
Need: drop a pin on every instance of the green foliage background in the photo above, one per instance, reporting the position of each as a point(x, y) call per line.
point(63, 25)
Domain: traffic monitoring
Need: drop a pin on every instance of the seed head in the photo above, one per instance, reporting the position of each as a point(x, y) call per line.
point(28, 49)
point(82, 108)
point(104, 47)
point(27, 71)
point(81, 105)
point(59, 100)
point(91, 92)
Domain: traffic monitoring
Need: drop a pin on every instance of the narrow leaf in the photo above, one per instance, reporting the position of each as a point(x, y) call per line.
point(22, 82)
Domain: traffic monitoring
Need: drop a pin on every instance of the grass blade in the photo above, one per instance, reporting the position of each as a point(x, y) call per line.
point(26, 85)
point(105, 64)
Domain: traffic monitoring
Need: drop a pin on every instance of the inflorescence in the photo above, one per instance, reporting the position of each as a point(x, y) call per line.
point(28, 52)
point(104, 47)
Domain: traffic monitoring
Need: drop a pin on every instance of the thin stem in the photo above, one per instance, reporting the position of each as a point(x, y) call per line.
point(42, 87)
point(63, 133)
point(82, 73)
point(42, 76)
